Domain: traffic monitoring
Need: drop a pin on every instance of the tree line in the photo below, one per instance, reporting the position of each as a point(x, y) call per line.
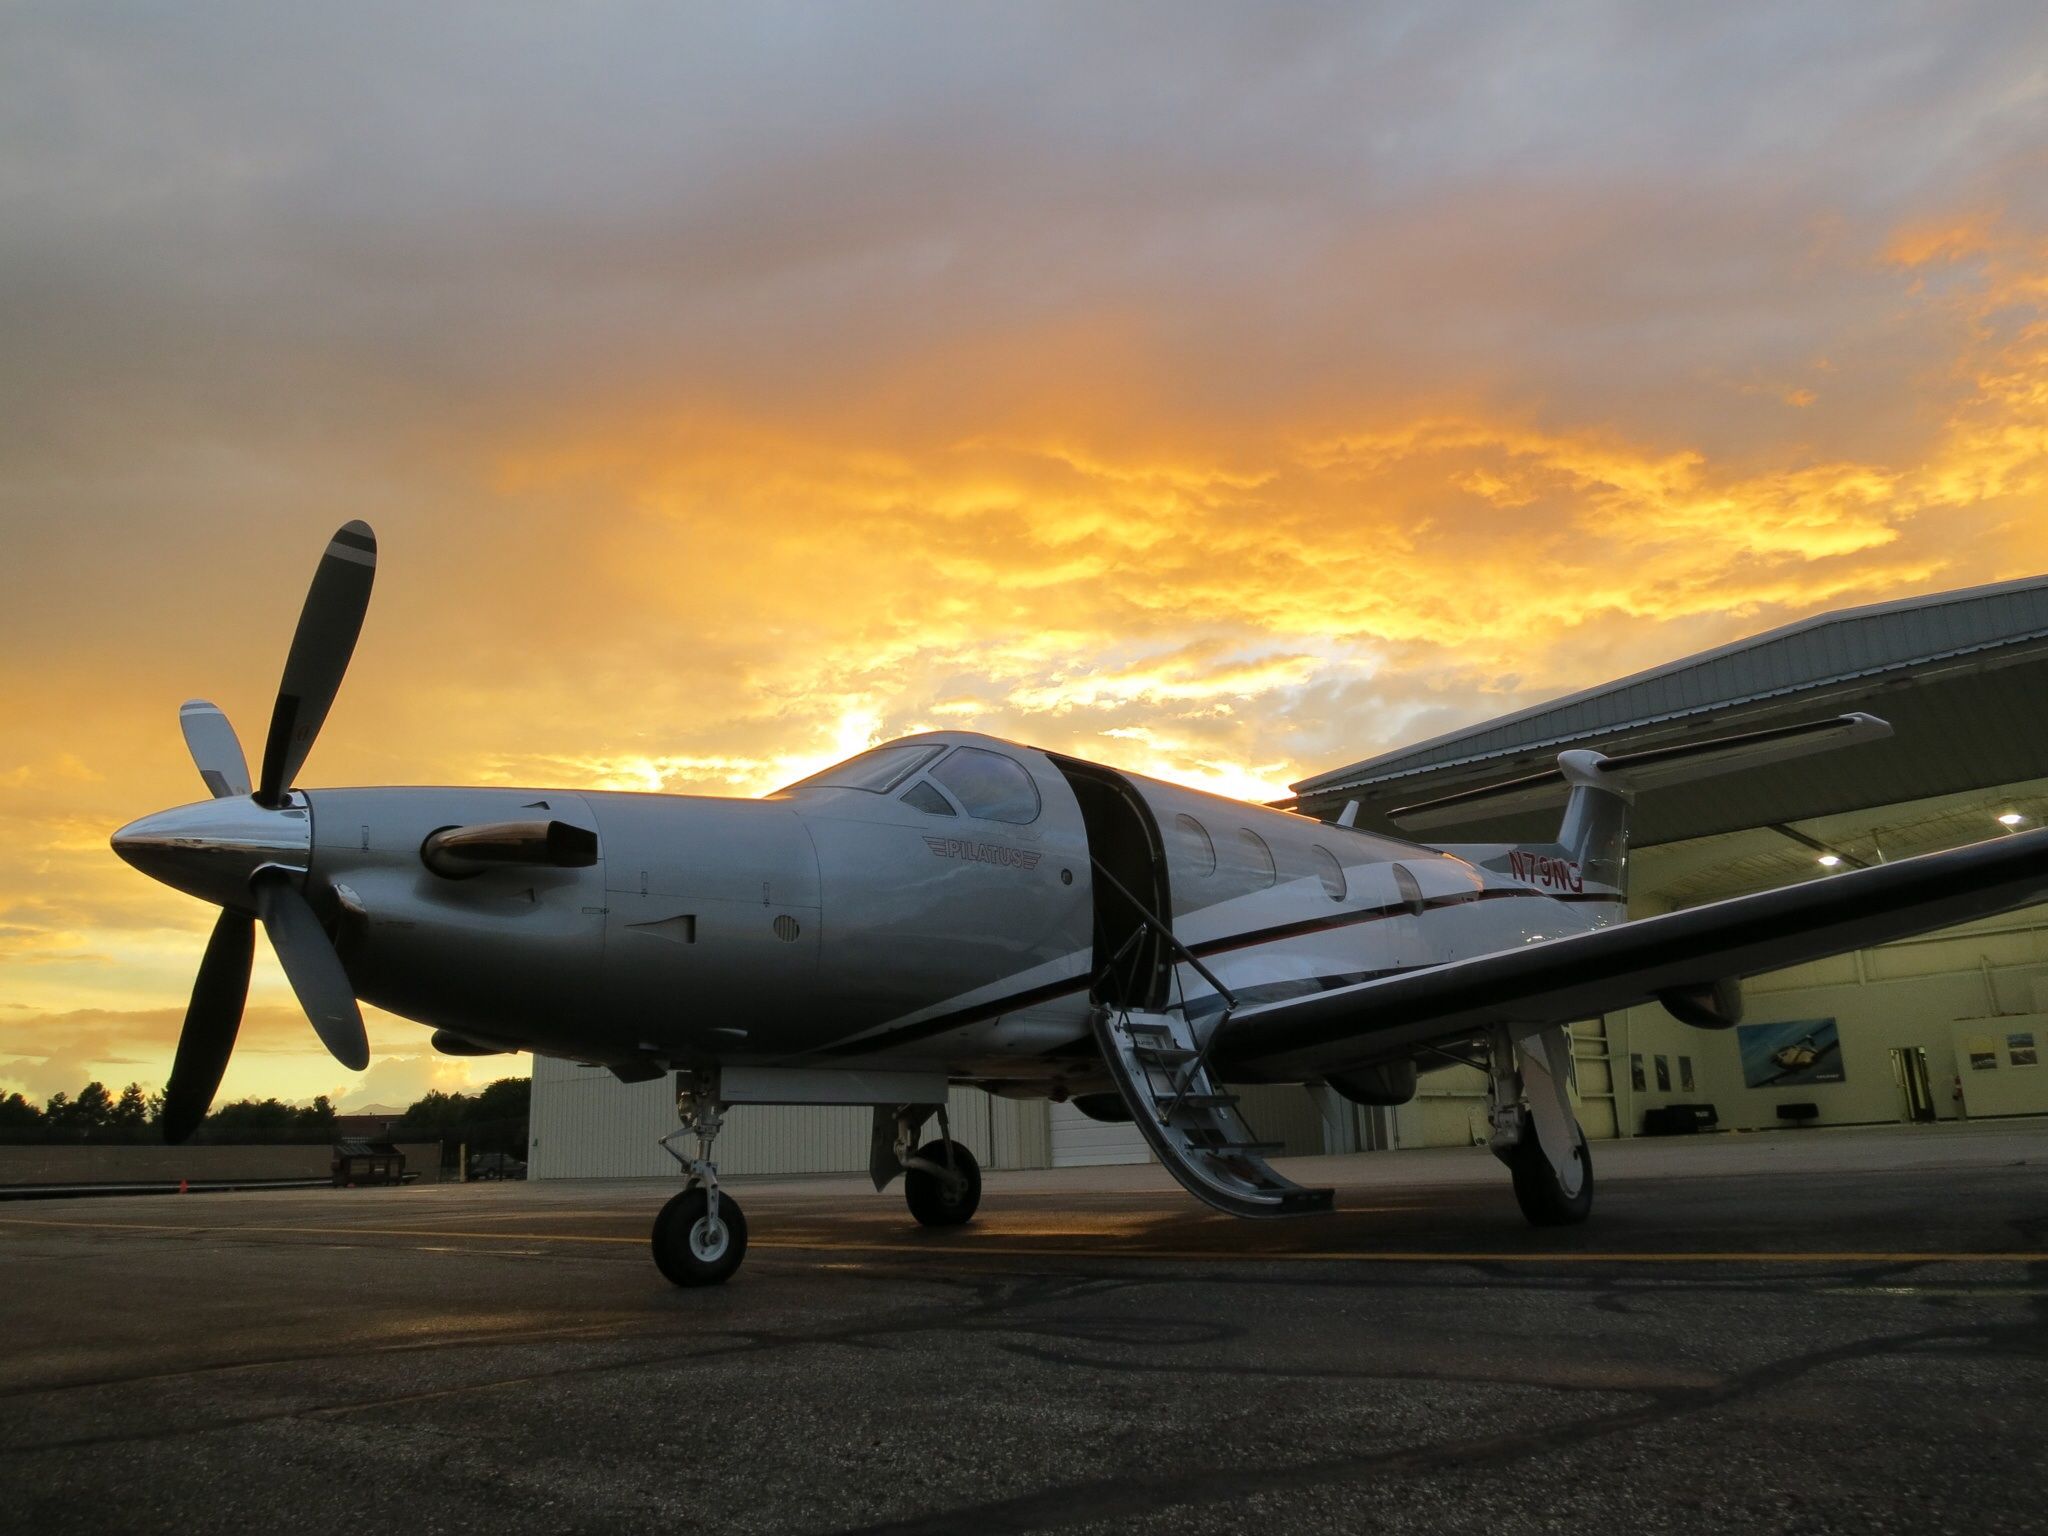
point(491, 1120)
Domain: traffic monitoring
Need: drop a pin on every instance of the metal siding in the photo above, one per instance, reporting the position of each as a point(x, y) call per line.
point(1078, 1142)
point(1813, 653)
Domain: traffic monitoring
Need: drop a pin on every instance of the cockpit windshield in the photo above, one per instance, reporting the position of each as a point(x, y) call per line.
point(878, 770)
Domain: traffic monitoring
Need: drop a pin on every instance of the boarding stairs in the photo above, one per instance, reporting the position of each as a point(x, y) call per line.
point(1188, 1120)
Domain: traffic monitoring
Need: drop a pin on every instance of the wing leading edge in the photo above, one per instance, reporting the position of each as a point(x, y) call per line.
point(1583, 975)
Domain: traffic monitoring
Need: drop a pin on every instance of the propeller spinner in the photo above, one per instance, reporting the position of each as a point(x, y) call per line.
point(249, 850)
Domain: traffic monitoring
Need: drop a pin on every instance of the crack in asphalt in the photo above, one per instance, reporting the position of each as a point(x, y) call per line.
point(1106, 1498)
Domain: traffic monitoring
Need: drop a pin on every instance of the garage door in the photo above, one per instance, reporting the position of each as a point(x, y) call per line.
point(1078, 1142)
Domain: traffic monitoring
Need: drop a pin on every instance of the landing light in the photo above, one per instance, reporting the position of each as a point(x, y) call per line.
point(1830, 860)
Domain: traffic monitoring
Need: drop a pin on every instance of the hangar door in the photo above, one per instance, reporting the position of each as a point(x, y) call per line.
point(1078, 1142)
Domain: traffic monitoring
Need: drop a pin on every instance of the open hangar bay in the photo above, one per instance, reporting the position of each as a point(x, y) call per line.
point(1840, 1330)
point(1948, 1026)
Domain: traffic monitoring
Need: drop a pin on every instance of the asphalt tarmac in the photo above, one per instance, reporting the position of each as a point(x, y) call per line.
point(1797, 1331)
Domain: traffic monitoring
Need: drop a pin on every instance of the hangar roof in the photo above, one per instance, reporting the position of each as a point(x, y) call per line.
point(1962, 676)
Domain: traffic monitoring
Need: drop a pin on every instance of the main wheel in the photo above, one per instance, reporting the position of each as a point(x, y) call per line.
point(939, 1202)
point(1537, 1190)
point(689, 1249)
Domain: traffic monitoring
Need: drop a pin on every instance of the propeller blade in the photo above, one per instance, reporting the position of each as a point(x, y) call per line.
point(321, 647)
point(314, 969)
point(212, 1020)
point(215, 749)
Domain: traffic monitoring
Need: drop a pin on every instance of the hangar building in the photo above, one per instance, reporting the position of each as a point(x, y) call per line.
point(1947, 1025)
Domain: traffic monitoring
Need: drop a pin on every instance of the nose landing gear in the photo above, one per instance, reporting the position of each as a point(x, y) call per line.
point(701, 1234)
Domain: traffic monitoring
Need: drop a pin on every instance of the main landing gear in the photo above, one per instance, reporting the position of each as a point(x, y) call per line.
point(700, 1235)
point(941, 1180)
point(1540, 1140)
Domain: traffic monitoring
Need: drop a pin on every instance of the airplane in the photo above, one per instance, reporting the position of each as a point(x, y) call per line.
point(957, 908)
point(1803, 1053)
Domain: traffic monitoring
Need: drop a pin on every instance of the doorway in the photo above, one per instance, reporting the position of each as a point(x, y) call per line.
point(1916, 1094)
point(1124, 845)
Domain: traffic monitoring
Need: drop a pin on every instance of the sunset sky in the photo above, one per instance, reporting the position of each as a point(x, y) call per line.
point(1224, 392)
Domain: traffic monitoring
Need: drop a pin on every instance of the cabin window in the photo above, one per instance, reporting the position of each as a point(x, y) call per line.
point(1196, 844)
point(1258, 858)
point(926, 798)
point(1410, 889)
point(1329, 870)
point(877, 771)
point(989, 785)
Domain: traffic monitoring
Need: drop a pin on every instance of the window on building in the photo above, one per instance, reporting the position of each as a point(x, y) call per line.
point(1636, 1079)
point(1663, 1074)
point(1198, 849)
point(1329, 870)
point(989, 785)
point(925, 797)
point(1685, 1074)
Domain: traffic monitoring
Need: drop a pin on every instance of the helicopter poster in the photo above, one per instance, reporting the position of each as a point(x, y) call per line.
point(1790, 1054)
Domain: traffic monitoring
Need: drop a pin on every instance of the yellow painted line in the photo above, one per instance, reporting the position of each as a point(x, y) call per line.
point(225, 1230)
point(1110, 1250)
point(1107, 1249)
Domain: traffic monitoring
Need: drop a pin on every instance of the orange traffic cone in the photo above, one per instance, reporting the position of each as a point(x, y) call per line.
point(184, 1188)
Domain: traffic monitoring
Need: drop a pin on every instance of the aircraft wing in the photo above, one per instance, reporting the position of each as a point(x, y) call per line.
point(1583, 975)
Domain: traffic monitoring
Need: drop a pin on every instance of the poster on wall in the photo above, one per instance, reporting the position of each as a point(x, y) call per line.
point(1981, 1051)
point(2020, 1050)
point(1790, 1054)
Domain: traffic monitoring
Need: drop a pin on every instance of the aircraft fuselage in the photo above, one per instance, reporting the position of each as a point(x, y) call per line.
point(857, 926)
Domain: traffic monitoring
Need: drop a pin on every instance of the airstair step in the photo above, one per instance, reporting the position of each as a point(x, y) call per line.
point(1197, 1133)
point(1196, 1100)
point(1164, 1055)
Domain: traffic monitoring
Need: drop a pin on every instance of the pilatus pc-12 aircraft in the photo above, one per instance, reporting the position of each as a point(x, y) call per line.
point(951, 908)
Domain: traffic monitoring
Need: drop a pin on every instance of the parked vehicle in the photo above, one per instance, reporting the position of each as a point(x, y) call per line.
point(496, 1165)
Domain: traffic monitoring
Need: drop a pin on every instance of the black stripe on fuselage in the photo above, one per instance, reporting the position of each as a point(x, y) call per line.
point(981, 1013)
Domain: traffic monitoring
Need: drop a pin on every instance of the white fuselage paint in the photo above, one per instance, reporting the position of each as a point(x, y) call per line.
point(844, 927)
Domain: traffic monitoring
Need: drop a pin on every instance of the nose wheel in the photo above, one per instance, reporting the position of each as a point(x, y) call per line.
point(701, 1234)
point(694, 1245)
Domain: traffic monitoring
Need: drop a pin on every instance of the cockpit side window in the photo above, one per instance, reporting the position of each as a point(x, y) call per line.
point(989, 785)
point(925, 797)
point(877, 771)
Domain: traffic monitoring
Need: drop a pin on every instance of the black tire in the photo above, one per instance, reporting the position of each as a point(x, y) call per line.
point(1543, 1202)
point(927, 1195)
point(687, 1255)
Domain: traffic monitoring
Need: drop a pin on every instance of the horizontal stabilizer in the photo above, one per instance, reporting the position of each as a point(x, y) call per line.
point(1651, 768)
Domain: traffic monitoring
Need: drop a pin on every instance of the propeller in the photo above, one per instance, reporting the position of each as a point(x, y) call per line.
point(214, 747)
point(326, 638)
point(321, 647)
point(212, 1020)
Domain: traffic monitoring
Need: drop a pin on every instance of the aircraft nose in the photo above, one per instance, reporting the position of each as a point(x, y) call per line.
point(211, 849)
point(139, 839)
